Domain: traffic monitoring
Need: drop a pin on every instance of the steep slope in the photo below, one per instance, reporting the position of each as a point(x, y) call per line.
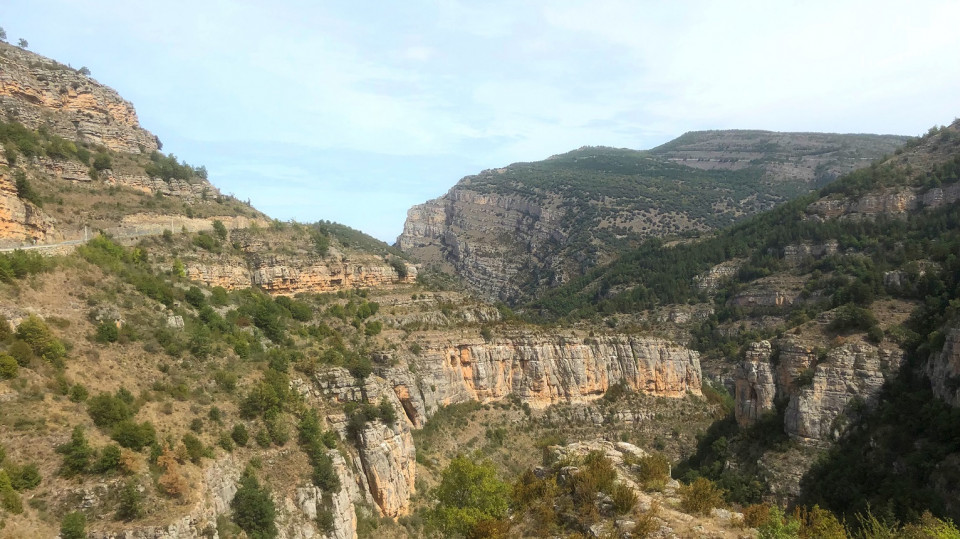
point(833, 317)
point(514, 231)
point(75, 159)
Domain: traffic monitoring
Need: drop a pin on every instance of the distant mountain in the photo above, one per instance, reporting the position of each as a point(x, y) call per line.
point(513, 232)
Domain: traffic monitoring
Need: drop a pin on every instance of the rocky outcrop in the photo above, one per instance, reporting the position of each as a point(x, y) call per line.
point(849, 378)
point(821, 390)
point(390, 465)
point(712, 279)
point(38, 91)
point(794, 254)
point(547, 369)
point(292, 275)
point(21, 220)
point(892, 202)
point(489, 239)
point(311, 501)
point(944, 369)
point(217, 490)
point(281, 275)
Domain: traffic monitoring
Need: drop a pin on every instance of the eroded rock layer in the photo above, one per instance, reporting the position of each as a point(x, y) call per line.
point(38, 91)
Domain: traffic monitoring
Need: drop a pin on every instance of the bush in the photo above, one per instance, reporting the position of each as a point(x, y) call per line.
point(76, 454)
point(700, 496)
point(41, 340)
point(107, 410)
point(219, 229)
point(102, 162)
point(134, 436)
point(194, 447)
point(107, 332)
point(9, 498)
point(755, 516)
point(73, 526)
point(9, 367)
point(467, 495)
point(239, 435)
point(253, 508)
point(653, 471)
point(131, 503)
point(624, 499)
point(77, 393)
point(109, 460)
point(21, 352)
point(25, 477)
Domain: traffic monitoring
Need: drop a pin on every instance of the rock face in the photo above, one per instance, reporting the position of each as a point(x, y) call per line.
point(820, 393)
point(543, 370)
point(487, 238)
point(21, 220)
point(292, 275)
point(944, 369)
point(38, 91)
point(310, 501)
point(219, 486)
point(894, 202)
point(389, 463)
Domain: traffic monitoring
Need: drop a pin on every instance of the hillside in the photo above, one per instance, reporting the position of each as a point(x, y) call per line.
point(174, 363)
point(512, 233)
point(833, 319)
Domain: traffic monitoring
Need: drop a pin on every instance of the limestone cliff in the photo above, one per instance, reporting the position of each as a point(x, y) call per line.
point(38, 91)
point(944, 369)
point(822, 390)
point(20, 220)
point(290, 275)
point(544, 370)
point(490, 240)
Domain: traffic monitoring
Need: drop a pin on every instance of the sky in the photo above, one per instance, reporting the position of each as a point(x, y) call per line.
point(355, 111)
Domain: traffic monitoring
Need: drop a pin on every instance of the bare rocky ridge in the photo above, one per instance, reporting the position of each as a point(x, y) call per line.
point(37, 91)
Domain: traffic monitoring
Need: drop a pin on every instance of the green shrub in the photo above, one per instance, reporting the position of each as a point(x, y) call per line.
point(253, 508)
point(134, 436)
point(26, 477)
point(194, 447)
point(9, 498)
point(225, 442)
point(624, 499)
point(76, 454)
point(102, 162)
point(73, 526)
point(239, 434)
point(107, 332)
point(21, 352)
point(108, 410)
point(653, 471)
point(42, 341)
point(109, 460)
point(25, 191)
point(9, 367)
point(467, 495)
point(194, 296)
point(779, 526)
point(131, 503)
point(700, 497)
point(78, 393)
point(219, 229)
